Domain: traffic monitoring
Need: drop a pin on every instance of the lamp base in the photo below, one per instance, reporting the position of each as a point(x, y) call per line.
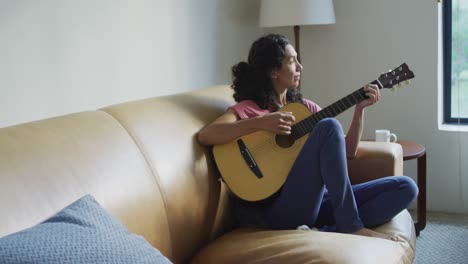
point(297, 30)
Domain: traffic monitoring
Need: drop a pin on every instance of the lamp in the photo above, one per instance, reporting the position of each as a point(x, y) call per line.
point(276, 13)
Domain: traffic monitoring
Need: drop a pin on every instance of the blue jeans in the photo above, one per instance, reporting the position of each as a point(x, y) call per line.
point(318, 192)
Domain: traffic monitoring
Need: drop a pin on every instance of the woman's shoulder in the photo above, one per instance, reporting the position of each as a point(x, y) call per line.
point(246, 103)
point(313, 107)
point(247, 109)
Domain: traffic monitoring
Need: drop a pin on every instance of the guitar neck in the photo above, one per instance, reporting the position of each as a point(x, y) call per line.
point(306, 125)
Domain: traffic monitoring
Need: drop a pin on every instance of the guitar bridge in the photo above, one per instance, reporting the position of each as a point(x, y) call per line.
point(249, 159)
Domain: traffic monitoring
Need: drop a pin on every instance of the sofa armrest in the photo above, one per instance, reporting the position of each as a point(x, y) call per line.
point(375, 160)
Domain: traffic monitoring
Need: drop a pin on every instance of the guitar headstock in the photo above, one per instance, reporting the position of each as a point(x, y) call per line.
point(393, 77)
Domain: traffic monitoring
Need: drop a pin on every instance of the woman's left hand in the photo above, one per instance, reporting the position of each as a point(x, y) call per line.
point(373, 92)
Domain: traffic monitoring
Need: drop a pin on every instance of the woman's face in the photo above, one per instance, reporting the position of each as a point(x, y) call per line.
point(290, 73)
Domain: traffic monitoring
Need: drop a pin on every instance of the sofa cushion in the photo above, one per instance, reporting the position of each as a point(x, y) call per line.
point(83, 232)
point(301, 246)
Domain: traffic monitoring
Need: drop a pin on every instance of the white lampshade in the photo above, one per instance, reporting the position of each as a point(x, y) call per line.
point(275, 13)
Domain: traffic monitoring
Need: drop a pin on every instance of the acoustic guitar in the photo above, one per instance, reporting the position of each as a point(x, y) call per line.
point(255, 166)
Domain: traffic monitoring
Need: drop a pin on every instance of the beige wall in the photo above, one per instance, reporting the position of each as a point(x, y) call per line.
point(62, 56)
point(369, 37)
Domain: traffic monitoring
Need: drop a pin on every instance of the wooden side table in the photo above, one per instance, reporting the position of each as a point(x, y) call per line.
point(412, 150)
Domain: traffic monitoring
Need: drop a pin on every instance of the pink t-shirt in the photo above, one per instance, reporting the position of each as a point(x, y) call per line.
point(248, 108)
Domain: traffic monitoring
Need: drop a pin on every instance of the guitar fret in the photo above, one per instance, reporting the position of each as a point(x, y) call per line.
point(295, 131)
point(337, 107)
point(315, 119)
point(344, 104)
point(302, 129)
point(343, 101)
point(340, 102)
point(309, 125)
point(297, 135)
point(339, 111)
point(325, 113)
point(319, 114)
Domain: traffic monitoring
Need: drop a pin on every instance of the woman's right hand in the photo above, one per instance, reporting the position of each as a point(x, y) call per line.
point(229, 127)
point(277, 122)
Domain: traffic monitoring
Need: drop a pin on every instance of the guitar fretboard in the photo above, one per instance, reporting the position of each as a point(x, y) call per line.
point(306, 125)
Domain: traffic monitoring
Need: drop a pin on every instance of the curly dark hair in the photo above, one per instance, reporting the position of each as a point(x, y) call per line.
point(252, 79)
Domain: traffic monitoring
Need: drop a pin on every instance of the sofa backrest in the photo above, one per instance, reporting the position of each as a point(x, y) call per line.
point(164, 129)
point(140, 160)
point(46, 165)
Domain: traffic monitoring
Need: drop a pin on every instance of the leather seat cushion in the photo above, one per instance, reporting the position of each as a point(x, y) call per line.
point(298, 246)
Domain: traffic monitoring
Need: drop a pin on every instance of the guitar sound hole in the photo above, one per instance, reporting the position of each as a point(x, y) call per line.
point(284, 141)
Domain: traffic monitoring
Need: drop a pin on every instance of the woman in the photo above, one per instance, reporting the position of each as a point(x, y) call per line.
point(317, 192)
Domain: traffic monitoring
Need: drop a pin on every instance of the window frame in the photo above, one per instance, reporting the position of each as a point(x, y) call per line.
point(447, 65)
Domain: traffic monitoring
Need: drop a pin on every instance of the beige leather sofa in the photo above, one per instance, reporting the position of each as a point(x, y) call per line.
point(142, 163)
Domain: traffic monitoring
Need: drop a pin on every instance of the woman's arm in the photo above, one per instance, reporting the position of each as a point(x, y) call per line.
point(229, 127)
point(354, 133)
point(355, 129)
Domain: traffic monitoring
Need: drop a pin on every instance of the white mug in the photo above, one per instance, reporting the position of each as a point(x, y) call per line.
point(383, 135)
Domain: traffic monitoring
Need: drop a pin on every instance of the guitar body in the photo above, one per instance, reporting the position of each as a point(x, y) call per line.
point(274, 161)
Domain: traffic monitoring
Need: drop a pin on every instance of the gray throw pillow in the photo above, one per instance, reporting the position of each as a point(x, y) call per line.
point(83, 232)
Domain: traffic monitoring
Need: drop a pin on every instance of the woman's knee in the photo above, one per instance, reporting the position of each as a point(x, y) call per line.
point(409, 187)
point(331, 125)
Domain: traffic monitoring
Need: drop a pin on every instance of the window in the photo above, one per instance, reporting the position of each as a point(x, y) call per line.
point(455, 43)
